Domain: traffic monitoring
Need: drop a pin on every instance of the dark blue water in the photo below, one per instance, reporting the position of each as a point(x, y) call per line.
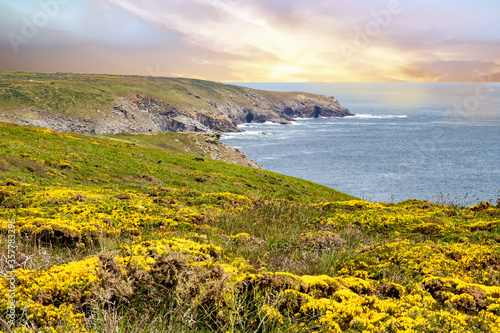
point(437, 141)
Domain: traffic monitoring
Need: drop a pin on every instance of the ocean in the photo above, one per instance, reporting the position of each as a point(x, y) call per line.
point(429, 141)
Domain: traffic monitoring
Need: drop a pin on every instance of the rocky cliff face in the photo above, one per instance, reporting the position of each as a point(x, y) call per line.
point(181, 106)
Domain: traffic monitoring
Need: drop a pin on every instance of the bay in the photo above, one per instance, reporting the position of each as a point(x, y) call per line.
point(436, 141)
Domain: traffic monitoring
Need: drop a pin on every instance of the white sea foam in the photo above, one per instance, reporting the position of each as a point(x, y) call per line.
point(328, 130)
point(356, 147)
point(308, 120)
point(239, 134)
point(373, 116)
point(467, 123)
point(246, 125)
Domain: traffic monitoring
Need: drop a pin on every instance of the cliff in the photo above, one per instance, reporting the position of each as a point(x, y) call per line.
point(106, 104)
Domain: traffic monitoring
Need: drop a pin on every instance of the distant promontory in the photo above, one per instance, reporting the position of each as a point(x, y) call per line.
point(107, 104)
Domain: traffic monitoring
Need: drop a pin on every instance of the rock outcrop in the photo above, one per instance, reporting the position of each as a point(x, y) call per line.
point(199, 144)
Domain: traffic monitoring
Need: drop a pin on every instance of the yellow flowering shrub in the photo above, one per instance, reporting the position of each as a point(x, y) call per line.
point(408, 267)
point(48, 298)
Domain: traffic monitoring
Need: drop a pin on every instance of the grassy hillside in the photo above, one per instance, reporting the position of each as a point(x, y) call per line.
point(202, 145)
point(118, 234)
point(82, 94)
point(85, 95)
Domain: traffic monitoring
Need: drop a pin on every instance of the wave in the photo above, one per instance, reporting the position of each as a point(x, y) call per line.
point(468, 123)
point(245, 125)
point(251, 125)
point(239, 134)
point(329, 130)
point(245, 133)
point(376, 116)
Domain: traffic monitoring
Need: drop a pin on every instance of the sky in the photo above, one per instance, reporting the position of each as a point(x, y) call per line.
point(256, 40)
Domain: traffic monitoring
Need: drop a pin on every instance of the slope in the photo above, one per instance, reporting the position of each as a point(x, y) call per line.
point(101, 235)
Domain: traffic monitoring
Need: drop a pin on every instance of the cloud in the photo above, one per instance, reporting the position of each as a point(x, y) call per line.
point(306, 41)
point(260, 43)
point(216, 25)
point(280, 40)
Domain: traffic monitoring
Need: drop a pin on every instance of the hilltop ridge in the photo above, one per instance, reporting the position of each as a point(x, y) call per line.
point(108, 104)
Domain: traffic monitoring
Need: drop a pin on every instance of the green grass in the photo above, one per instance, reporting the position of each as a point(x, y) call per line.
point(94, 96)
point(31, 156)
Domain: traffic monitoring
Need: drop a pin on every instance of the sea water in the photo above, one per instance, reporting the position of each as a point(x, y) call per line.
point(436, 141)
